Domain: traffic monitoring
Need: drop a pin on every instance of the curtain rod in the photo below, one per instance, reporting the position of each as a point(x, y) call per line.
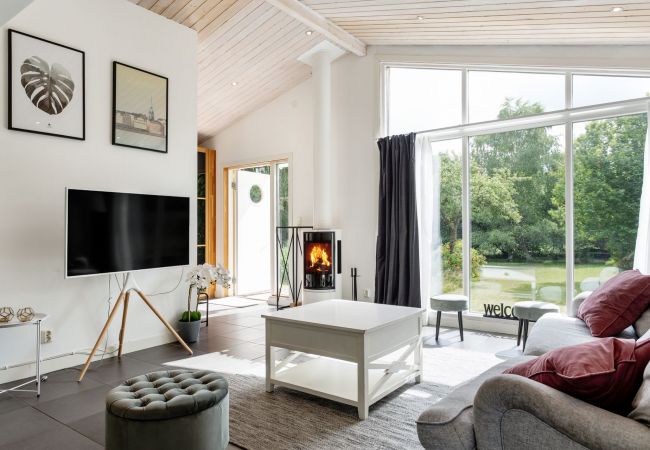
point(559, 116)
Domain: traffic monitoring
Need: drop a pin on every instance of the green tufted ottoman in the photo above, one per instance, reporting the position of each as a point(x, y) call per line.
point(177, 409)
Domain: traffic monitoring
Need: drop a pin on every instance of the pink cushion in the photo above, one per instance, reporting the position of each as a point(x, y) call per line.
point(606, 373)
point(617, 304)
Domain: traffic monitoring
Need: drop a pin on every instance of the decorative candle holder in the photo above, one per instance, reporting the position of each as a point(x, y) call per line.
point(6, 314)
point(25, 314)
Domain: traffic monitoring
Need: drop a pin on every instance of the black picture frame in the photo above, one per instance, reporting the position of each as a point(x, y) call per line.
point(10, 85)
point(114, 128)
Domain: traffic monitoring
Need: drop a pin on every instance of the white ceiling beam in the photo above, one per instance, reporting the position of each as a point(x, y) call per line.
point(321, 25)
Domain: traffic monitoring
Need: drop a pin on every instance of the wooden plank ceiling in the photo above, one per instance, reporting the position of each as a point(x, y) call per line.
point(482, 22)
point(247, 56)
point(248, 48)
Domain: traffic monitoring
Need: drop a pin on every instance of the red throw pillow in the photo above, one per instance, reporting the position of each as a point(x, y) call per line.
point(617, 304)
point(606, 373)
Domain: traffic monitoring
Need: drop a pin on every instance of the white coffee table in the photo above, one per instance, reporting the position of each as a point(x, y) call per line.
point(367, 350)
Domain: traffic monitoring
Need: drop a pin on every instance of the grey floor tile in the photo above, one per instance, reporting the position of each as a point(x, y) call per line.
point(9, 403)
point(60, 438)
point(93, 427)
point(168, 352)
point(224, 329)
point(218, 344)
point(245, 321)
point(30, 429)
point(113, 371)
point(75, 407)
point(59, 384)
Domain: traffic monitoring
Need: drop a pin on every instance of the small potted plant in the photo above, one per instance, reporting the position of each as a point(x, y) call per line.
point(200, 278)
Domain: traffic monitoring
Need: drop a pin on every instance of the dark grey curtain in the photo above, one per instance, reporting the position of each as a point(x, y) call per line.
point(397, 276)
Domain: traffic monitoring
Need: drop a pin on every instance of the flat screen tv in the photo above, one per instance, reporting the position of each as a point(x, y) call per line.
point(108, 232)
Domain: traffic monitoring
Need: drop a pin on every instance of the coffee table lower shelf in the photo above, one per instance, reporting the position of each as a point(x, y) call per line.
point(336, 380)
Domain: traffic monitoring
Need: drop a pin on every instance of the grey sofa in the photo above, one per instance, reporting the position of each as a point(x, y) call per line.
point(509, 412)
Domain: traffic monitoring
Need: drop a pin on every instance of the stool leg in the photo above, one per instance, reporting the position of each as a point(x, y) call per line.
point(460, 325)
point(521, 324)
point(525, 334)
point(438, 317)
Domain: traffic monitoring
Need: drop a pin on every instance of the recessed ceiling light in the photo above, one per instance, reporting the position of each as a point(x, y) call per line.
point(234, 83)
point(420, 18)
point(309, 32)
point(617, 9)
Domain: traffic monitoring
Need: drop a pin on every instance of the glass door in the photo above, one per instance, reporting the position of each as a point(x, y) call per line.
point(260, 202)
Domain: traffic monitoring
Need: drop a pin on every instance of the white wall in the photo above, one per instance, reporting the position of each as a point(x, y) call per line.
point(356, 127)
point(35, 170)
point(281, 129)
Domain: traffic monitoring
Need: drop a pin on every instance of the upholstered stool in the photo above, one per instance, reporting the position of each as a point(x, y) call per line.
point(449, 303)
point(530, 312)
point(168, 410)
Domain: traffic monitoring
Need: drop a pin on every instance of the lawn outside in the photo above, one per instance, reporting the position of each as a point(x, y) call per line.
point(508, 283)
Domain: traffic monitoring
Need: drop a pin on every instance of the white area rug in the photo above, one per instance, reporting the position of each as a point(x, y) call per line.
point(222, 363)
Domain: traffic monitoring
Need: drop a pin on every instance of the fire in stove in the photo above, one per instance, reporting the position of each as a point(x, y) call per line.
point(319, 258)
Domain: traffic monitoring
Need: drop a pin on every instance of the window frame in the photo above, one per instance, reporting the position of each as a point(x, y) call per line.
point(567, 117)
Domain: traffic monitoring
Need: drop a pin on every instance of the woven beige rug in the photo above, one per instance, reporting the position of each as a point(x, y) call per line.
point(288, 419)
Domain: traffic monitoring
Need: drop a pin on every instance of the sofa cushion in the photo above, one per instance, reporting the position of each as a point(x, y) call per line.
point(574, 306)
point(642, 324)
point(449, 423)
point(606, 373)
point(555, 330)
point(617, 304)
point(641, 402)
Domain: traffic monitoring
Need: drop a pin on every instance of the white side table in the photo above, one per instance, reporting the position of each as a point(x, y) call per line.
point(38, 318)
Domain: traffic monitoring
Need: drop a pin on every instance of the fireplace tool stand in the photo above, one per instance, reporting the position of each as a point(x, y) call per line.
point(288, 257)
point(353, 274)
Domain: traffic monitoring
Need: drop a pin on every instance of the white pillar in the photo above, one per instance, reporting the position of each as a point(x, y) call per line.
point(320, 59)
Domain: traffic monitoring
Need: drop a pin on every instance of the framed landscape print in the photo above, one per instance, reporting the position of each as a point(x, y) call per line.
point(139, 108)
point(46, 87)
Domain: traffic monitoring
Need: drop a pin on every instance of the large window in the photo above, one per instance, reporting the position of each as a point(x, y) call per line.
point(501, 176)
point(517, 216)
point(415, 97)
point(494, 95)
point(448, 176)
point(608, 160)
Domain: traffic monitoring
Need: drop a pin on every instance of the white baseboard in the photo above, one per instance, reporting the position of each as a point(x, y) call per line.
point(75, 358)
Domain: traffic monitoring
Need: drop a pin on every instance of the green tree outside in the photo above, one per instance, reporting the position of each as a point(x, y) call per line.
point(517, 197)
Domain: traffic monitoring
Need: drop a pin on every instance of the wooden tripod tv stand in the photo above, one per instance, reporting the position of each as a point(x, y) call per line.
point(129, 286)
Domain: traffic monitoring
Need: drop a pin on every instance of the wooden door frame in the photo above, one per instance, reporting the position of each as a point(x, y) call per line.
point(210, 208)
point(226, 168)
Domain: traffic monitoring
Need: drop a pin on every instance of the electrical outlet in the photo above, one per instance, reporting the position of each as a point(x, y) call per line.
point(46, 336)
point(367, 293)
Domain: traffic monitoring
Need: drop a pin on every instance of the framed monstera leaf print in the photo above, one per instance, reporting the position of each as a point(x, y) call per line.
point(46, 87)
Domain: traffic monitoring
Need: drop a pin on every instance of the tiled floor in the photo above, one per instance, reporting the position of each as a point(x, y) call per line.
point(70, 415)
